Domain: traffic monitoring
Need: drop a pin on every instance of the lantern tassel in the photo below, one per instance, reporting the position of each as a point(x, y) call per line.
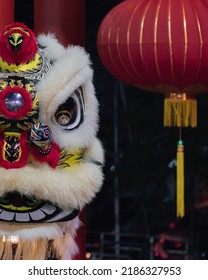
point(179, 112)
point(180, 200)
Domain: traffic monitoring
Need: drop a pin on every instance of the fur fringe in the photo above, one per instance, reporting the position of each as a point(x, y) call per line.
point(62, 248)
point(24, 250)
point(31, 231)
point(38, 243)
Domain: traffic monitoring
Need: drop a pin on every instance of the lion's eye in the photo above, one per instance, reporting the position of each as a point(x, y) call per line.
point(69, 115)
point(63, 117)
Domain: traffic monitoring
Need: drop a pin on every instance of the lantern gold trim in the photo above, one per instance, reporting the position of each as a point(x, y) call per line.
point(180, 110)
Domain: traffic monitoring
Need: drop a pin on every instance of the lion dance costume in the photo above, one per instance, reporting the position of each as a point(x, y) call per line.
point(50, 157)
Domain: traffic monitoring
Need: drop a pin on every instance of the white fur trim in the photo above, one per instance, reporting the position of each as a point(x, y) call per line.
point(62, 234)
point(95, 151)
point(69, 188)
point(68, 73)
point(51, 45)
point(66, 246)
point(30, 231)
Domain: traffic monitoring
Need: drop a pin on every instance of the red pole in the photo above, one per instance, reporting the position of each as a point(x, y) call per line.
point(7, 12)
point(66, 19)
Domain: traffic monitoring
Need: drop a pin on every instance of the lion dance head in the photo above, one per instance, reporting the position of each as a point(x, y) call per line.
point(50, 157)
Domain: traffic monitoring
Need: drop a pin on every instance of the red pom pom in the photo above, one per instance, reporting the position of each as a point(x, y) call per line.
point(17, 44)
point(52, 158)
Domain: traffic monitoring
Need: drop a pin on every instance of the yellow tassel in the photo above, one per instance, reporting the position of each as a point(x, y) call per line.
point(180, 112)
point(180, 198)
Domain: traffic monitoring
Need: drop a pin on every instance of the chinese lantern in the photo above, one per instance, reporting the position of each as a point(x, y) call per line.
point(161, 46)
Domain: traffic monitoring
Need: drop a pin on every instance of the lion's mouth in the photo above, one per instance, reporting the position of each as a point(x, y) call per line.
point(15, 207)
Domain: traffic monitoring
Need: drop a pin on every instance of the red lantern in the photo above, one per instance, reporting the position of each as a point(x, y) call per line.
point(162, 46)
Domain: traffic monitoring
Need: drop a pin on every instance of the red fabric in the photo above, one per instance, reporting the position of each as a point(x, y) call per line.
point(28, 49)
point(23, 110)
point(24, 153)
point(52, 158)
point(159, 45)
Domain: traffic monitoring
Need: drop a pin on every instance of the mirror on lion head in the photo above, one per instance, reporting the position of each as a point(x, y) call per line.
point(50, 157)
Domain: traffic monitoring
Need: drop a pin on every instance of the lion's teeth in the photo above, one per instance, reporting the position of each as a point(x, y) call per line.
point(7, 216)
point(22, 217)
point(37, 215)
point(48, 209)
point(60, 216)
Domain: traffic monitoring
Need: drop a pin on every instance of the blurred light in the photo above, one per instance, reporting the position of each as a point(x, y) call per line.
point(172, 163)
point(13, 239)
point(88, 256)
point(171, 225)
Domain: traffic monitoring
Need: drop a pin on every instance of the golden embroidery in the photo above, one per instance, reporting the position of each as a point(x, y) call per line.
point(70, 158)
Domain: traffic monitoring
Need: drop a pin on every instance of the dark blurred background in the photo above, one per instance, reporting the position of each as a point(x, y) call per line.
point(138, 195)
